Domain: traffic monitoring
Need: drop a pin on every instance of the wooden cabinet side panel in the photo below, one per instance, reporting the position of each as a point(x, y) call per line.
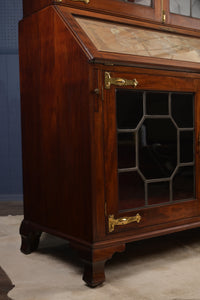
point(30, 7)
point(55, 126)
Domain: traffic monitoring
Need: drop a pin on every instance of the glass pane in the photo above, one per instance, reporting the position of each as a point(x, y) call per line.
point(131, 191)
point(156, 141)
point(183, 184)
point(126, 150)
point(157, 103)
point(141, 2)
point(182, 109)
point(129, 108)
point(181, 7)
point(186, 146)
point(158, 192)
point(158, 148)
point(196, 8)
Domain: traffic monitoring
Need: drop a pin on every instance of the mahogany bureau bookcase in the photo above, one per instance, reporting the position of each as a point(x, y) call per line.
point(110, 106)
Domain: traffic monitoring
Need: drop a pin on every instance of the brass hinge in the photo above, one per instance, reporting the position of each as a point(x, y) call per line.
point(163, 17)
point(112, 222)
point(163, 13)
point(118, 81)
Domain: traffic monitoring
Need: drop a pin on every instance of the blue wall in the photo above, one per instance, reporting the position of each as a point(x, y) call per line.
point(10, 128)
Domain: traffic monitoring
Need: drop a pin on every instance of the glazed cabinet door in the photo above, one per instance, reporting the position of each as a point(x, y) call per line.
point(148, 9)
point(185, 13)
point(144, 9)
point(151, 129)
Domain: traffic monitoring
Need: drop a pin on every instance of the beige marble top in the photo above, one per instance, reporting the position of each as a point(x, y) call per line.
point(125, 39)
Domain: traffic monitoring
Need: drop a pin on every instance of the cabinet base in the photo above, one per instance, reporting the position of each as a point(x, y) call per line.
point(95, 255)
point(93, 259)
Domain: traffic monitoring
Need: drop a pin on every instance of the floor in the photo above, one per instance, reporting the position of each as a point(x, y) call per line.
point(8, 208)
point(13, 208)
point(164, 268)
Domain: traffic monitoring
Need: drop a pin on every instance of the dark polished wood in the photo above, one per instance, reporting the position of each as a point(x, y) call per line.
point(119, 8)
point(69, 130)
point(94, 274)
point(94, 261)
point(127, 10)
point(55, 122)
point(30, 238)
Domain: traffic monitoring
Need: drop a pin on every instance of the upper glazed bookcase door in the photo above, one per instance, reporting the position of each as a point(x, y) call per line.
point(141, 9)
point(181, 13)
point(141, 2)
point(184, 13)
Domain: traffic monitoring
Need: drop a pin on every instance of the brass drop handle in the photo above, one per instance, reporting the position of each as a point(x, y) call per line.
point(112, 222)
point(118, 81)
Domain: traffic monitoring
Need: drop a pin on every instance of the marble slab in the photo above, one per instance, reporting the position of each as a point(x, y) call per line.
point(125, 39)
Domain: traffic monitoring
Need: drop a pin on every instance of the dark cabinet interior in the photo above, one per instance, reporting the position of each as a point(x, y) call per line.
point(110, 106)
point(155, 147)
